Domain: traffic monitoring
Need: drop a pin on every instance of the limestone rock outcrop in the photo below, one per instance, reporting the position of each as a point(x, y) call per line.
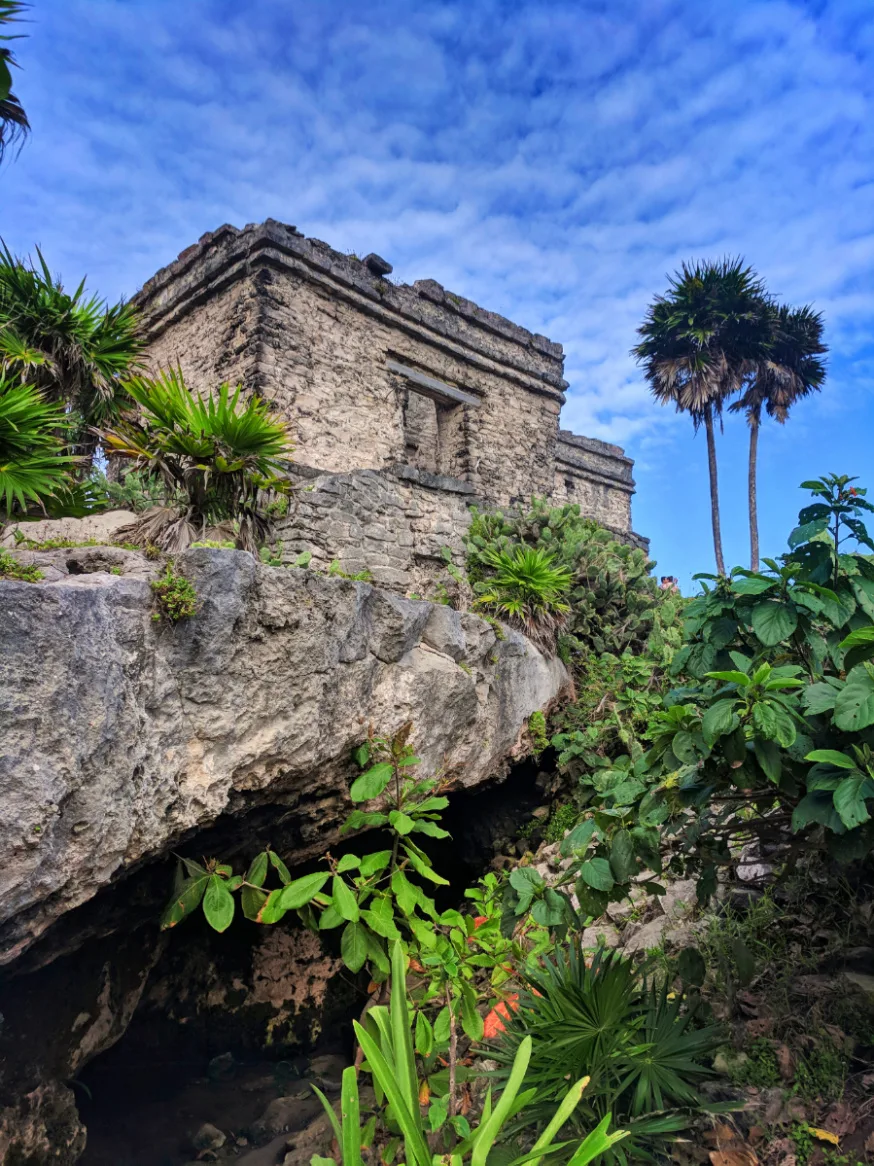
point(120, 734)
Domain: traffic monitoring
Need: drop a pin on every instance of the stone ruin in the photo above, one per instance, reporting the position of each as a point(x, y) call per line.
point(406, 404)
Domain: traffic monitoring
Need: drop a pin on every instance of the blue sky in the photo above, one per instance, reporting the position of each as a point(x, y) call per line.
point(552, 161)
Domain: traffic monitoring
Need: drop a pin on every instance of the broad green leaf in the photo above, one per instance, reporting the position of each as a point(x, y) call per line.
point(430, 828)
point(859, 646)
point(186, 898)
point(854, 707)
point(330, 918)
point(358, 818)
point(424, 1035)
point(730, 677)
point(683, 746)
point(437, 1113)
point(218, 904)
point(526, 879)
point(353, 946)
point(301, 891)
point(832, 757)
point(441, 1027)
point(578, 839)
point(280, 867)
point(819, 697)
point(849, 800)
point(371, 783)
point(376, 952)
point(344, 900)
point(596, 872)
point(592, 902)
point(404, 892)
point(471, 1021)
point(719, 719)
point(252, 899)
point(401, 822)
point(774, 622)
point(423, 867)
point(623, 862)
point(257, 872)
point(272, 909)
point(374, 863)
point(361, 755)
point(348, 862)
point(380, 918)
point(752, 585)
point(817, 806)
point(768, 756)
point(805, 532)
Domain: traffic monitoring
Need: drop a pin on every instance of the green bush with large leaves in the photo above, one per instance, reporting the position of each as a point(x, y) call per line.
point(769, 731)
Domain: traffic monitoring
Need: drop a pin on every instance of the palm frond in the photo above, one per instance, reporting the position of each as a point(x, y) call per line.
point(224, 453)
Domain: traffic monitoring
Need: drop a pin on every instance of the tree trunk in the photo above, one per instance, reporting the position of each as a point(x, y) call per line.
point(751, 486)
point(714, 490)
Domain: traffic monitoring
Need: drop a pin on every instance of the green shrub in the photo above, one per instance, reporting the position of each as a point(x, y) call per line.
point(34, 464)
point(218, 460)
point(641, 1049)
point(10, 568)
point(175, 596)
point(387, 1041)
point(527, 591)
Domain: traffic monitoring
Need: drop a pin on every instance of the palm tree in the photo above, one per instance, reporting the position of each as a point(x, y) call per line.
point(74, 348)
point(698, 342)
point(792, 369)
point(14, 125)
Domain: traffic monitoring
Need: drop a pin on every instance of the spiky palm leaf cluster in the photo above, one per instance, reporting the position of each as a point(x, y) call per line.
point(75, 348)
point(599, 1016)
point(792, 367)
point(528, 590)
point(218, 458)
point(14, 126)
point(33, 464)
point(699, 340)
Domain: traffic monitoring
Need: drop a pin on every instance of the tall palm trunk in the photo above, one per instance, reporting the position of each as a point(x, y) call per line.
point(755, 420)
point(714, 490)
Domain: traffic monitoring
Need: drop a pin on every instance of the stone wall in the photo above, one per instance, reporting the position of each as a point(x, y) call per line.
point(397, 525)
point(597, 476)
point(316, 331)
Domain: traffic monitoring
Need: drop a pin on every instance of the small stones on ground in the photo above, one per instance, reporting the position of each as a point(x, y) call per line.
point(328, 1071)
point(286, 1113)
point(208, 1137)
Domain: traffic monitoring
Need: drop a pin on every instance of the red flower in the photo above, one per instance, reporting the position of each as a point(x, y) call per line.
point(494, 1022)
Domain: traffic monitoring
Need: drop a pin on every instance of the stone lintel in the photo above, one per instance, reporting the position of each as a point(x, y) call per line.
point(431, 385)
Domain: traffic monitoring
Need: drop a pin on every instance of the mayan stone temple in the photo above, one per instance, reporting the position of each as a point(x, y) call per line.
point(407, 404)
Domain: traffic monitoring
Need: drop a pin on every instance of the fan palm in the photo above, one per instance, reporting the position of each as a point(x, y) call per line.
point(528, 590)
point(216, 457)
point(74, 348)
point(698, 343)
point(598, 1016)
point(14, 126)
point(793, 368)
point(33, 465)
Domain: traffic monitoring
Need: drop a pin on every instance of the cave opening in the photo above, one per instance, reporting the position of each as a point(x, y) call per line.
point(204, 1047)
